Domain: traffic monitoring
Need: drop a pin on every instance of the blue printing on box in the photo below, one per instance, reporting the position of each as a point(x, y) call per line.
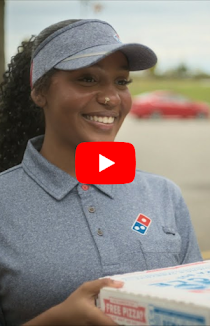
point(161, 316)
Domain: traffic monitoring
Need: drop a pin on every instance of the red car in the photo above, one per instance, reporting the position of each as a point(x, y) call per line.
point(167, 104)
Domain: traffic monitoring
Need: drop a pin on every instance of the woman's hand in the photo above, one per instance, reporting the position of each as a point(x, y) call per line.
point(79, 308)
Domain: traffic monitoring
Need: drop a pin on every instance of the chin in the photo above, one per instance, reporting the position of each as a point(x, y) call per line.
point(102, 139)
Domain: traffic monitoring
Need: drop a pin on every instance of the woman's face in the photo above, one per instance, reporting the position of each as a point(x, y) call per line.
point(75, 99)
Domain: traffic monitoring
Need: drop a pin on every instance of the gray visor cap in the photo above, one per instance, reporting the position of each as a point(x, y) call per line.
point(84, 43)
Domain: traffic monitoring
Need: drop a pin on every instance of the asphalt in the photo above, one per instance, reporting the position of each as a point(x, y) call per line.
point(180, 151)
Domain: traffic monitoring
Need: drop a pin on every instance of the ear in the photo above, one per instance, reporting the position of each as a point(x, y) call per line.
point(38, 98)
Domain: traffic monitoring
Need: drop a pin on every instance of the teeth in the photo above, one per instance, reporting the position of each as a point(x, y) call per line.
point(100, 119)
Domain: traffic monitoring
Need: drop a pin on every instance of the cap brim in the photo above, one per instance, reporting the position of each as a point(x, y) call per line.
point(139, 56)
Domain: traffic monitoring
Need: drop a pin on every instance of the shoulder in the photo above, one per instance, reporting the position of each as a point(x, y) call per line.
point(9, 178)
point(10, 172)
point(154, 180)
point(157, 185)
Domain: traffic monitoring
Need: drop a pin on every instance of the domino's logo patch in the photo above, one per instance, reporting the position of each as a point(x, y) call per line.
point(141, 224)
point(117, 38)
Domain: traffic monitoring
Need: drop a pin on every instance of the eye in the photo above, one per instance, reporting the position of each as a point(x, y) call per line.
point(87, 79)
point(124, 82)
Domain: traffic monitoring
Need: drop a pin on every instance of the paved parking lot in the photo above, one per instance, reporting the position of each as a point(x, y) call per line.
point(179, 150)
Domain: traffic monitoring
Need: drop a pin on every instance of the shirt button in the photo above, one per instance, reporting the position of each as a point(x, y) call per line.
point(85, 187)
point(91, 209)
point(99, 232)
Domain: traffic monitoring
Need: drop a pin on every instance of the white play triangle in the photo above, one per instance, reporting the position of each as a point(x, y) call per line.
point(104, 163)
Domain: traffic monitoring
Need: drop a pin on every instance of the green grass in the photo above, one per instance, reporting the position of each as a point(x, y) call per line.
point(198, 90)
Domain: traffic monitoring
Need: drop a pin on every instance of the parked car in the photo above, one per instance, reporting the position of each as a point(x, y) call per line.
point(167, 104)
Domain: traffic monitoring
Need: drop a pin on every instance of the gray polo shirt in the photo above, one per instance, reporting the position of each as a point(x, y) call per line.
point(56, 233)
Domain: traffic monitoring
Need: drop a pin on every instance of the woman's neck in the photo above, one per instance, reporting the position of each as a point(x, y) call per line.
point(62, 156)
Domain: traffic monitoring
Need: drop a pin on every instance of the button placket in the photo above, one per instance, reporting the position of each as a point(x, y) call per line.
point(96, 223)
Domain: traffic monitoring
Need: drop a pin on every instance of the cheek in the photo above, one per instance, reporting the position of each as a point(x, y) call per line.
point(66, 105)
point(74, 102)
point(126, 102)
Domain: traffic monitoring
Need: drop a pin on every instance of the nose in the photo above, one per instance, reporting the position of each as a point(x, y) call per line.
point(109, 98)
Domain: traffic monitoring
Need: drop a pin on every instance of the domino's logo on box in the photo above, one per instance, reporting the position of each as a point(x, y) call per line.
point(141, 224)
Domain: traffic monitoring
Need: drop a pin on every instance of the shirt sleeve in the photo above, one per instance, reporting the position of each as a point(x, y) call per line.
point(2, 321)
point(190, 251)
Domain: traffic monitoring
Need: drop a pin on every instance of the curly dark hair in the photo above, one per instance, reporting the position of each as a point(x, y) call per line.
point(20, 118)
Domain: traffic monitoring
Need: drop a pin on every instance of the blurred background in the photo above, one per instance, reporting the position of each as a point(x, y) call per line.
point(171, 134)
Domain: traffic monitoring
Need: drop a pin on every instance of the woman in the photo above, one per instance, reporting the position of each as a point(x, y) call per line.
point(56, 233)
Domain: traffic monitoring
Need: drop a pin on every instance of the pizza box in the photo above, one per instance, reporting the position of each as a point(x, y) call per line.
point(170, 296)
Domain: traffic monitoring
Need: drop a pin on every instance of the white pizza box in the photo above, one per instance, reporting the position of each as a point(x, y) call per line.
point(170, 296)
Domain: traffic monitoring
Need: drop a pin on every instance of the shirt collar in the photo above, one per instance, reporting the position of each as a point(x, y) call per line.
point(52, 179)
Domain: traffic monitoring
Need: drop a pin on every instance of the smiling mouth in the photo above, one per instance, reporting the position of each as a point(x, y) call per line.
point(102, 120)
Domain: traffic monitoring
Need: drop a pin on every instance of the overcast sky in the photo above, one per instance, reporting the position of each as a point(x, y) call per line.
point(178, 31)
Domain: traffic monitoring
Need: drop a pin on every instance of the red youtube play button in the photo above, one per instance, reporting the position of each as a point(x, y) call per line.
point(105, 162)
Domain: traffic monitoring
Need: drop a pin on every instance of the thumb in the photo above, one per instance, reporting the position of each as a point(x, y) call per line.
point(93, 287)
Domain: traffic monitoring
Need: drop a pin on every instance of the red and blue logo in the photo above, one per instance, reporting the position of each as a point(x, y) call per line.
point(141, 224)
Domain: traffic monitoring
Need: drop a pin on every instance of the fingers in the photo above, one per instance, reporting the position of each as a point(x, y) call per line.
point(90, 290)
point(94, 287)
point(99, 318)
